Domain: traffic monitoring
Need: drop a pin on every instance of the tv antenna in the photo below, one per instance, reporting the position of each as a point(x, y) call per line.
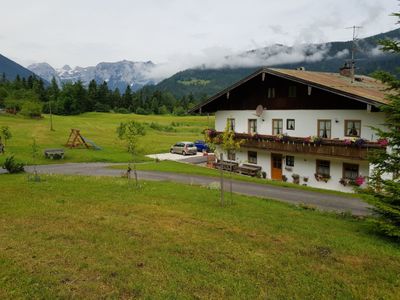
point(353, 49)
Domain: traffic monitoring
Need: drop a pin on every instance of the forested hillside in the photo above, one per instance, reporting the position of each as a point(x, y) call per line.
point(203, 82)
point(31, 97)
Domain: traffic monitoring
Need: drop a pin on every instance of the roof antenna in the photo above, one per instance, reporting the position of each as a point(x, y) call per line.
point(353, 50)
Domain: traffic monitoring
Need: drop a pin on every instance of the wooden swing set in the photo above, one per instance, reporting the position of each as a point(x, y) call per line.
point(76, 140)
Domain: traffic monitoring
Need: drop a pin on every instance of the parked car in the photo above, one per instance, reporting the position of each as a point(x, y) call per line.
point(201, 145)
point(184, 148)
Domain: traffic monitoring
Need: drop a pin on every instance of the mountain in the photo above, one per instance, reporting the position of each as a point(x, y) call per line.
point(11, 69)
point(208, 80)
point(117, 74)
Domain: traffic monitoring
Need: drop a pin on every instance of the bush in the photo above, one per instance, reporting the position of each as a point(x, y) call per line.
point(142, 111)
point(100, 107)
point(31, 109)
point(121, 110)
point(12, 166)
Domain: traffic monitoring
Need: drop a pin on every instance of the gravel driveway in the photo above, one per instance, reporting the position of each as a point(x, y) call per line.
point(328, 202)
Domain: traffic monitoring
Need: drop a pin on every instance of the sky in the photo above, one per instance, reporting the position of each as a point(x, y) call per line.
point(179, 33)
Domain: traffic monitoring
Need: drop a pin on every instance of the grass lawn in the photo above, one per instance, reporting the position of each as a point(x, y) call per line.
point(100, 128)
point(184, 168)
point(88, 237)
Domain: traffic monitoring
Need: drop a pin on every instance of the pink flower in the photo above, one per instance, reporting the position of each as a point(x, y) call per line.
point(360, 180)
point(383, 142)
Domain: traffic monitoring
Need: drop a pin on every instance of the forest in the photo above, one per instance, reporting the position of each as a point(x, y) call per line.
point(32, 96)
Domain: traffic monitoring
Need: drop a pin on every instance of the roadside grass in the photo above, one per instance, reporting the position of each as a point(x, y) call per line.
point(94, 237)
point(101, 129)
point(184, 168)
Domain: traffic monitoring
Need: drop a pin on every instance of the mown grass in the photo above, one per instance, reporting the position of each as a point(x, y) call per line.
point(90, 238)
point(100, 128)
point(184, 168)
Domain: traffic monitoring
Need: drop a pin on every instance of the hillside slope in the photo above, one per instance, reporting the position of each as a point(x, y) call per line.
point(11, 69)
point(319, 57)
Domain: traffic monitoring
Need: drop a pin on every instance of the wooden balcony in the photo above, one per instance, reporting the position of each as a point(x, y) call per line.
point(358, 150)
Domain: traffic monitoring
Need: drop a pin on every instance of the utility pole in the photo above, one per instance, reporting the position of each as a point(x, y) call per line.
point(51, 117)
point(353, 49)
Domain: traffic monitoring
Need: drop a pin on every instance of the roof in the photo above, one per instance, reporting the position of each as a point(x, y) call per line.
point(365, 89)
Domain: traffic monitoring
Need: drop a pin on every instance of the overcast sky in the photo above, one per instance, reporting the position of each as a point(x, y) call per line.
point(86, 32)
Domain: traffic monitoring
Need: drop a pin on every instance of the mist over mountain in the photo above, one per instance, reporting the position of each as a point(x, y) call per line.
point(217, 74)
point(207, 74)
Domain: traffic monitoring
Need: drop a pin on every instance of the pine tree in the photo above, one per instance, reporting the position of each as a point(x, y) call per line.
point(386, 191)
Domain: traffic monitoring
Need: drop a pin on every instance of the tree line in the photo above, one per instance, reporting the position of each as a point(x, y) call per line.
point(31, 96)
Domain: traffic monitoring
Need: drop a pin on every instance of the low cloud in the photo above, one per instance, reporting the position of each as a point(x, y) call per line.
point(218, 57)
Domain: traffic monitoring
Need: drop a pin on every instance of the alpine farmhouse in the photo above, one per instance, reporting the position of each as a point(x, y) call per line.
point(310, 128)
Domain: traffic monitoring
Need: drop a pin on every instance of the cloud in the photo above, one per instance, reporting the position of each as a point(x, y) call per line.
point(219, 57)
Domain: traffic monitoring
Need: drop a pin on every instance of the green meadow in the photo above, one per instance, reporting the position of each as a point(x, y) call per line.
point(161, 133)
point(91, 237)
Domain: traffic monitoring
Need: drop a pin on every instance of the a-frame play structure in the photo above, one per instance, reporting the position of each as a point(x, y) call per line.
point(75, 140)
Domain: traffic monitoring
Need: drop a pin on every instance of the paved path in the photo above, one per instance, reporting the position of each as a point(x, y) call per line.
point(322, 201)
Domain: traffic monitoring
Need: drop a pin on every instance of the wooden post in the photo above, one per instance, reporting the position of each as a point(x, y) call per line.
point(51, 117)
point(222, 181)
point(135, 173)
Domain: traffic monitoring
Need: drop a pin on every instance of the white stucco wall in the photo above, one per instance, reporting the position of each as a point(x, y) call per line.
point(306, 121)
point(305, 165)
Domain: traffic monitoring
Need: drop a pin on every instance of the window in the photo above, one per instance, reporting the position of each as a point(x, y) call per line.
point(350, 171)
point(324, 129)
point(252, 157)
point(231, 124)
point(323, 168)
point(292, 91)
point(231, 155)
point(290, 124)
point(289, 161)
point(252, 126)
point(277, 126)
point(271, 93)
point(352, 128)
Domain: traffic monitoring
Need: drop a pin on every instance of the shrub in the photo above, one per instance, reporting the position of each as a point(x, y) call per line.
point(32, 109)
point(12, 166)
point(100, 107)
point(121, 110)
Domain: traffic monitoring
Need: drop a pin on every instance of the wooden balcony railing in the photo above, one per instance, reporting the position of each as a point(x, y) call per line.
point(351, 149)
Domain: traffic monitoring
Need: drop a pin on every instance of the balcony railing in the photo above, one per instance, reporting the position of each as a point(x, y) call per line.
point(347, 148)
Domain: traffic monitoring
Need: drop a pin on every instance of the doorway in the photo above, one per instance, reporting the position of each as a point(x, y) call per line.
point(276, 166)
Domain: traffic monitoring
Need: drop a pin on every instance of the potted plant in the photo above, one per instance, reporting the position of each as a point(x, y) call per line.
point(320, 177)
point(359, 142)
point(264, 174)
point(296, 178)
point(284, 178)
point(344, 181)
point(383, 142)
point(305, 178)
point(316, 140)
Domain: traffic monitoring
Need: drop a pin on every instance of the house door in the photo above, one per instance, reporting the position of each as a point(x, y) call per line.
point(276, 166)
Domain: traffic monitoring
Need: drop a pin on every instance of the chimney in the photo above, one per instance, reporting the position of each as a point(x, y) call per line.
point(348, 70)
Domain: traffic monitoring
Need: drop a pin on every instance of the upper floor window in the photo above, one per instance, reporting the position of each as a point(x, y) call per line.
point(292, 91)
point(352, 128)
point(231, 124)
point(252, 126)
point(277, 126)
point(324, 129)
point(350, 171)
point(290, 124)
point(252, 157)
point(271, 92)
point(323, 168)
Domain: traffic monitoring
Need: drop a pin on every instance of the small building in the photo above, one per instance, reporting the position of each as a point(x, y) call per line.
point(312, 128)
